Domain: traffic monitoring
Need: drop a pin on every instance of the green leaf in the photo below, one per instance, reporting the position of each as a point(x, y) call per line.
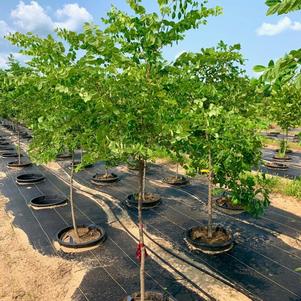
point(259, 68)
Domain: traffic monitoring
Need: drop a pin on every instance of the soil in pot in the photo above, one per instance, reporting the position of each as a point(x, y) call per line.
point(6, 148)
point(221, 241)
point(10, 155)
point(104, 178)
point(89, 237)
point(16, 164)
point(27, 179)
point(149, 296)
point(47, 201)
point(225, 204)
point(278, 157)
point(85, 235)
point(275, 165)
point(150, 200)
point(218, 236)
point(176, 180)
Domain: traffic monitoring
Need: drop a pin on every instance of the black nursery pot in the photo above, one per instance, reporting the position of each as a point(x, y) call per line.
point(149, 296)
point(273, 134)
point(65, 240)
point(275, 165)
point(132, 201)
point(62, 157)
point(99, 179)
point(48, 201)
point(286, 158)
point(15, 164)
point(26, 136)
point(196, 240)
point(10, 155)
point(6, 148)
point(30, 179)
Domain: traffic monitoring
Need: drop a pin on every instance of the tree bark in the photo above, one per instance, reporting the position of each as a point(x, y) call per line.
point(140, 223)
point(81, 155)
point(210, 196)
point(210, 178)
point(106, 172)
point(286, 141)
point(71, 199)
point(19, 145)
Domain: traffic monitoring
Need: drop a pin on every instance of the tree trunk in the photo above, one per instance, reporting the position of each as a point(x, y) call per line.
point(177, 171)
point(140, 223)
point(71, 199)
point(81, 155)
point(210, 178)
point(286, 141)
point(19, 145)
point(210, 196)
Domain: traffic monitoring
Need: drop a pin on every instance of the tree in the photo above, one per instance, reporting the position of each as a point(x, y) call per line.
point(282, 6)
point(14, 93)
point(59, 103)
point(141, 103)
point(220, 134)
point(284, 107)
point(286, 70)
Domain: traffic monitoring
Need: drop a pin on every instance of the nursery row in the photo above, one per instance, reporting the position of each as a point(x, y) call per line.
point(107, 94)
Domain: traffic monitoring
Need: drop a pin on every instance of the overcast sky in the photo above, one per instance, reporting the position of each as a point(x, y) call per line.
point(244, 21)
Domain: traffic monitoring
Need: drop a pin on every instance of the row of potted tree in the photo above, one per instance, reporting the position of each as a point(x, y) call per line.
point(111, 93)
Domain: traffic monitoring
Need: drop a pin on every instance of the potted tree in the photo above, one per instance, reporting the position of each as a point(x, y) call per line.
point(221, 139)
point(280, 77)
point(142, 105)
point(62, 112)
point(13, 94)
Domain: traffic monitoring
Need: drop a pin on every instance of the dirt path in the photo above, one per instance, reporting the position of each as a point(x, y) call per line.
point(286, 203)
point(27, 275)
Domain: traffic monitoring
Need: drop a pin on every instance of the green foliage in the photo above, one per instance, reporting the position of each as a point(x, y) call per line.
point(14, 91)
point(57, 106)
point(285, 186)
point(285, 106)
point(294, 188)
point(216, 118)
point(282, 6)
point(259, 68)
point(286, 70)
point(252, 193)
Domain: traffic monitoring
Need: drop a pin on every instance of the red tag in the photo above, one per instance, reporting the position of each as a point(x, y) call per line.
point(139, 253)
